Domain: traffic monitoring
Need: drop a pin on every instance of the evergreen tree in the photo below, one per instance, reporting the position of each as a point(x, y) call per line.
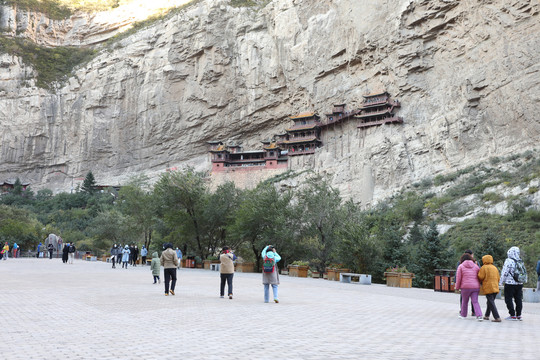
point(432, 256)
point(17, 187)
point(89, 183)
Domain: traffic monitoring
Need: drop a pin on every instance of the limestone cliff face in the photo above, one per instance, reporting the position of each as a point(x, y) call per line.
point(466, 73)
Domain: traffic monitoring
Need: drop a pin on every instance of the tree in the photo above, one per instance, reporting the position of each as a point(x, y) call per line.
point(357, 246)
point(183, 196)
point(433, 255)
point(138, 203)
point(319, 205)
point(218, 213)
point(261, 219)
point(89, 183)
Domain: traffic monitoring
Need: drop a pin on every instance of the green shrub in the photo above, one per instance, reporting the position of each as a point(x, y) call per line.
point(492, 197)
point(533, 190)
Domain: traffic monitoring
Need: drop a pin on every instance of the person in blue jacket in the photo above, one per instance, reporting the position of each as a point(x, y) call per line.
point(270, 277)
point(538, 272)
point(125, 256)
point(144, 253)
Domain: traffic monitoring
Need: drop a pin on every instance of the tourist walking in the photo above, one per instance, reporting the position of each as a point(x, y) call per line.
point(5, 251)
point(538, 273)
point(489, 277)
point(155, 267)
point(470, 252)
point(144, 253)
point(119, 254)
point(226, 270)
point(270, 274)
point(467, 282)
point(125, 256)
point(135, 255)
point(50, 248)
point(169, 261)
point(513, 284)
point(15, 249)
point(65, 252)
point(71, 252)
point(114, 252)
point(38, 253)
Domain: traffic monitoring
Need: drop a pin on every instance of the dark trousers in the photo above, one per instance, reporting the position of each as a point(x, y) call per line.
point(50, 254)
point(113, 261)
point(513, 292)
point(156, 279)
point(170, 273)
point(228, 278)
point(490, 306)
point(143, 260)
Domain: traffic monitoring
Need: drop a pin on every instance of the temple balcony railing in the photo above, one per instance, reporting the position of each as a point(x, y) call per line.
point(301, 152)
point(395, 119)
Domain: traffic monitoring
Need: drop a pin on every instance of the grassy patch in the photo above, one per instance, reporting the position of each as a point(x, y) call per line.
point(61, 9)
point(51, 64)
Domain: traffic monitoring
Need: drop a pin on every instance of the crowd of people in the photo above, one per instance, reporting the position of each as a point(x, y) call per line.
point(473, 280)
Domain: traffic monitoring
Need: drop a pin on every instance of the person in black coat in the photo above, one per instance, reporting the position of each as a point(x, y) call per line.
point(135, 255)
point(65, 251)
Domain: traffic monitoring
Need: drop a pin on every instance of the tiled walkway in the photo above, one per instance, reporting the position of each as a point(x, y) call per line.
point(87, 310)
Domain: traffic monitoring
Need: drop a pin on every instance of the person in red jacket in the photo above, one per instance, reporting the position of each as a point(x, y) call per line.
point(467, 281)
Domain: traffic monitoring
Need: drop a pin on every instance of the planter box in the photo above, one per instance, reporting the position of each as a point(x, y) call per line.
point(284, 272)
point(298, 270)
point(206, 264)
point(245, 267)
point(315, 274)
point(333, 273)
point(403, 280)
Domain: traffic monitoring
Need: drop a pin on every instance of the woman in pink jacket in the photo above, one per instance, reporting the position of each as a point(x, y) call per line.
point(467, 281)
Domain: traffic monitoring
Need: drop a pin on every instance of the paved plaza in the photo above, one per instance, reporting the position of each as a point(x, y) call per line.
point(87, 310)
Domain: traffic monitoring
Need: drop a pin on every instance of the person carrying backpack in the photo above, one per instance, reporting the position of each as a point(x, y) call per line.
point(270, 274)
point(513, 276)
point(226, 271)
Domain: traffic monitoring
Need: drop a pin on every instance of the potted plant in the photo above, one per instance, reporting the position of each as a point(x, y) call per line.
point(398, 277)
point(333, 271)
point(298, 269)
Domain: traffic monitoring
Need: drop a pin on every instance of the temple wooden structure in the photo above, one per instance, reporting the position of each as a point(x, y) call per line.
point(233, 157)
point(339, 115)
point(378, 109)
point(304, 136)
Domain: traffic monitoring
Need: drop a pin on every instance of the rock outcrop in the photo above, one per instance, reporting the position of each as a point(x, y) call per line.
point(466, 73)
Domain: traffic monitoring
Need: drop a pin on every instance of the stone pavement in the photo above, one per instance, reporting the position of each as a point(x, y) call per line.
point(87, 310)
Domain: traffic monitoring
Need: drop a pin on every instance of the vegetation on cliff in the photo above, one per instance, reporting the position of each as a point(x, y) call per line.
point(51, 64)
point(311, 224)
point(61, 9)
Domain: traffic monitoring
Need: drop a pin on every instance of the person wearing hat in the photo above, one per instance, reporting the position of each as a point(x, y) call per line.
point(125, 256)
point(226, 270)
point(169, 261)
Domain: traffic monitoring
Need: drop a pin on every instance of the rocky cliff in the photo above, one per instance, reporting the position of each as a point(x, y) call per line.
point(466, 73)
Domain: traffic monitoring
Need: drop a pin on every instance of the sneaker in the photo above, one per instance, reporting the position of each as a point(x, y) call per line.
point(479, 318)
point(166, 294)
point(496, 320)
point(486, 317)
point(462, 317)
point(230, 296)
point(519, 318)
point(276, 301)
point(511, 318)
point(172, 292)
